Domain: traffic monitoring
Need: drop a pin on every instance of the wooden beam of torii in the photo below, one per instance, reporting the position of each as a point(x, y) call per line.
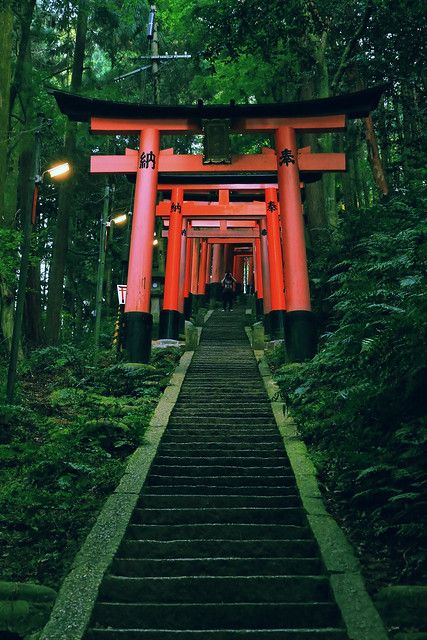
point(171, 163)
point(215, 210)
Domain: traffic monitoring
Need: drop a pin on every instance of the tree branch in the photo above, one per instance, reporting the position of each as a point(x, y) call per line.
point(351, 45)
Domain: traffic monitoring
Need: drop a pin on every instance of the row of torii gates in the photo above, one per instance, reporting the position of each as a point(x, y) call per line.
point(257, 213)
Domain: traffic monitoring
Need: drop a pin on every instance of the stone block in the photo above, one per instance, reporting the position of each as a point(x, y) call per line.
point(258, 337)
point(191, 336)
point(24, 607)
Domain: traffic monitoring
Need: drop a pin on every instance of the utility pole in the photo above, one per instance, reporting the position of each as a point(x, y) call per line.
point(152, 34)
point(101, 264)
point(154, 57)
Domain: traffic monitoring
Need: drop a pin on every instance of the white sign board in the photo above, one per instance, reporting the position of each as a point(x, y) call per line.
point(121, 292)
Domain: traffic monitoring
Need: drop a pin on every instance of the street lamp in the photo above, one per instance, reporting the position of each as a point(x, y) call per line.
point(120, 219)
point(57, 170)
point(28, 219)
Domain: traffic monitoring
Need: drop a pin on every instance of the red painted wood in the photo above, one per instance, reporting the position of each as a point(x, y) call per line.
point(248, 210)
point(182, 267)
point(195, 264)
point(188, 256)
point(275, 261)
point(295, 260)
point(141, 245)
point(264, 267)
point(258, 269)
point(173, 256)
point(308, 162)
point(216, 262)
point(201, 286)
point(208, 264)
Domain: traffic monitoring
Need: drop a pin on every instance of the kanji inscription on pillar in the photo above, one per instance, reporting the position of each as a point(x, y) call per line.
point(286, 157)
point(271, 206)
point(175, 207)
point(147, 159)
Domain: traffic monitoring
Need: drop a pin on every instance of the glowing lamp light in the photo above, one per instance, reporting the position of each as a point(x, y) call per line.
point(155, 242)
point(120, 219)
point(59, 170)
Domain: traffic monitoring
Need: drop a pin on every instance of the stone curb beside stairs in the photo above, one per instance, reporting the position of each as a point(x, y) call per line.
point(78, 593)
point(360, 616)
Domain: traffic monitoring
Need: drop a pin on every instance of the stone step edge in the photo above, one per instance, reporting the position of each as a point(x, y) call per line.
point(77, 596)
point(360, 616)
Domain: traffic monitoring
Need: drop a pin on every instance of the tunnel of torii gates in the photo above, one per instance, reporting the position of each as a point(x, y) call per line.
point(206, 237)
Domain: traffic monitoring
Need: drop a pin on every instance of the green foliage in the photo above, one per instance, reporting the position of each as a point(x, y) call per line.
point(361, 402)
point(60, 458)
point(9, 255)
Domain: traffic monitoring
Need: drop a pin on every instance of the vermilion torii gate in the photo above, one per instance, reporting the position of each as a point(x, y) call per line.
point(285, 167)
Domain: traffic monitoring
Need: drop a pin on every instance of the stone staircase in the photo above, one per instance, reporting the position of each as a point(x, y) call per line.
point(218, 546)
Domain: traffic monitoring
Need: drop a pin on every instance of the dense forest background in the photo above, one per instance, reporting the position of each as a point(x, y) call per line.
point(360, 403)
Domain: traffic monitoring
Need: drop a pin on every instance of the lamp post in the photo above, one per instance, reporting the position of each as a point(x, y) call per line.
point(106, 222)
point(28, 219)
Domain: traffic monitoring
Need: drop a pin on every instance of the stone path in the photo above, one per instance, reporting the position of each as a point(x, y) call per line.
point(219, 546)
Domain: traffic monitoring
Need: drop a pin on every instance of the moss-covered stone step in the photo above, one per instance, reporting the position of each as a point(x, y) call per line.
point(216, 567)
point(257, 396)
point(203, 490)
point(303, 547)
point(211, 616)
point(221, 432)
point(222, 481)
point(216, 589)
point(231, 419)
point(223, 461)
point(236, 634)
point(220, 515)
point(231, 531)
point(174, 501)
point(238, 408)
point(223, 452)
point(215, 448)
point(249, 437)
point(210, 470)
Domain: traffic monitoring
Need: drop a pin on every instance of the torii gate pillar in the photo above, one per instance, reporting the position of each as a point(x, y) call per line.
point(139, 321)
point(169, 316)
point(217, 274)
point(187, 279)
point(300, 329)
point(275, 262)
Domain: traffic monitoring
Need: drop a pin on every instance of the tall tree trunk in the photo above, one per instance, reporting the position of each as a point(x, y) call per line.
point(6, 217)
point(65, 200)
point(328, 179)
point(26, 17)
point(32, 310)
point(6, 21)
point(348, 187)
point(314, 202)
point(374, 157)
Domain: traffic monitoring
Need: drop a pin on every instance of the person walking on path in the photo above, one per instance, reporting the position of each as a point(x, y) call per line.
point(227, 291)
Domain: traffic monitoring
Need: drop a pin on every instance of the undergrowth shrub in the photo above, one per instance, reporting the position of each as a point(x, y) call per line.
point(361, 402)
point(65, 449)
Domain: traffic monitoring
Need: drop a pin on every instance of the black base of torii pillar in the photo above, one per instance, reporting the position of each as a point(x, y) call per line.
point(169, 324)
point(139, 329)
point(300, 336)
